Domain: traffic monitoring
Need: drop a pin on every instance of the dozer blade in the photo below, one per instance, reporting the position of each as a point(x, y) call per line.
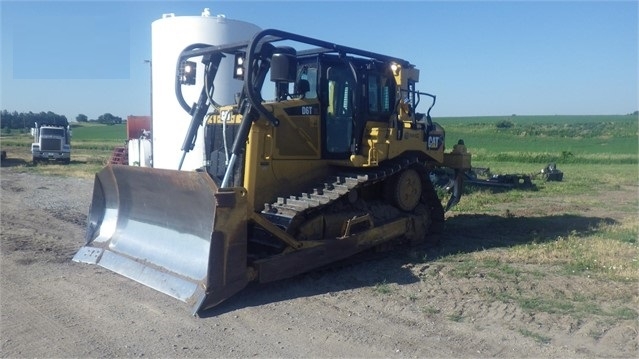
point(170, 230)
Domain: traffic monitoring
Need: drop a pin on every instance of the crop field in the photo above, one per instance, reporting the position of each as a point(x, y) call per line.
point(85, 136)
point(538, 139)
point(96, 132)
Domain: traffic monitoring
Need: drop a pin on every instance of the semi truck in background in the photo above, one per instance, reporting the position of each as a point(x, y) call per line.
point(51, 141)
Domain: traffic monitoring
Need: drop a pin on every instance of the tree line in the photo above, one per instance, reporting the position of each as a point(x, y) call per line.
point(27, 120)
point(106, 118)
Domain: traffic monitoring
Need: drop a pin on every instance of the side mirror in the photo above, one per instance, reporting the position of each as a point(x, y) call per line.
point(303, 86)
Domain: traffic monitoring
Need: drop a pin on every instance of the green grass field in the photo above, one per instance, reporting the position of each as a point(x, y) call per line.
point(84, 136)
point(540, 139)
point(98, 136)
point(97, 132)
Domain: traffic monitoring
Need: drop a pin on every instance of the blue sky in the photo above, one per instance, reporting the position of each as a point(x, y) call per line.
point(480, 58)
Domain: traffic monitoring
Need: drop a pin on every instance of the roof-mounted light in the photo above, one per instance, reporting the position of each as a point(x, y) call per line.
point(396, 68)
point(238, 67)
point(187, 72)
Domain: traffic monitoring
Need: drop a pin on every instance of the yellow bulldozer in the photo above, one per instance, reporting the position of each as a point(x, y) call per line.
point(339, 162)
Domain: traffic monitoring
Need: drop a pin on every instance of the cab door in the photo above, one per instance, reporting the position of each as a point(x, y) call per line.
point(338, 87)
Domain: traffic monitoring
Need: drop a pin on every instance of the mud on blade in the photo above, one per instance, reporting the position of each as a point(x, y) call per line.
point(173, 231)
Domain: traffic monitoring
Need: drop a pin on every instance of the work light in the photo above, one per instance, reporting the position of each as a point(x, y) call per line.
point(187, 72)
point(238, 68)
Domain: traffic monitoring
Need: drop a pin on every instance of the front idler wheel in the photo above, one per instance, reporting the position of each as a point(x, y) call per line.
point(405, 190)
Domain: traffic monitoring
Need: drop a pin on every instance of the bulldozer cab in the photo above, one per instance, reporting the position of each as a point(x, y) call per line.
point(346, 87)
point(330, 84)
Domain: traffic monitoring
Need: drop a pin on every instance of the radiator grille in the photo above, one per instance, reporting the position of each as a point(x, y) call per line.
point(218, 155)
point(51, 144)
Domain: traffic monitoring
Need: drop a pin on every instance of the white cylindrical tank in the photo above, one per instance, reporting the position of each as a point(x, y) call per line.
point(140, 152)
point(169, 36)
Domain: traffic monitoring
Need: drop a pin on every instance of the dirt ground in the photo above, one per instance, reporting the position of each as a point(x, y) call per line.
point(406, 304)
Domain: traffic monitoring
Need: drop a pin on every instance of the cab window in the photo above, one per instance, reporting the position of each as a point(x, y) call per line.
point(379, 94)
point(309, 74)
